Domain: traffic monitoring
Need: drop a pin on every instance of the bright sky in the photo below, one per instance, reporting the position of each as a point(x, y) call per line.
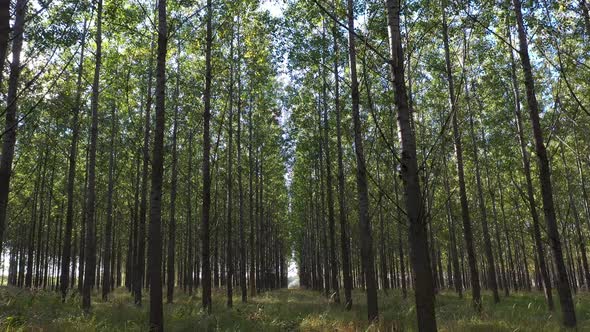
point(275, 7)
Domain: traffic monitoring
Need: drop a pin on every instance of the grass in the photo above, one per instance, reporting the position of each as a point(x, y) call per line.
point(281, 310)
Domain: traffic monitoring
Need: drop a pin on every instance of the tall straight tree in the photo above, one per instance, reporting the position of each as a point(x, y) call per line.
point(229, 200)
point(526, 165)
point(251, 189)
point(4, 33)
point(75, 126)
point(155, 232)
point(467, 232)
point(488, 250)
point(418, 237)
point(206, 282)
point(90, 250)
point(11, 124)
point(243, 285)
point(139, 268)
point(108, 233)
point(563, 286)
point(330, 196)
point(173, 190)
point(344, 243)
point(366, 239)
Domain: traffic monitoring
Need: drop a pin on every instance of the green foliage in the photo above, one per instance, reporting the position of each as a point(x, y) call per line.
point(283, 310)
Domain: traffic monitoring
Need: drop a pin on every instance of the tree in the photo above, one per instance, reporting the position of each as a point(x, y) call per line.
point(75, 126)
point(468, 233)
point(424, 290)
point(155, 233)
point(206, 284)
point(563, 287)
point(90, 249)
point(366, 240)
point(11, 123)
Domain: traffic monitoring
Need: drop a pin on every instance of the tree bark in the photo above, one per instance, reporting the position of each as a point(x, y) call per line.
point(139, 272)
point(418, 238)
point(90, 250)
point(529, 185)
point(108, 234)
point(491, 268)
point(229, 180)
point(75, 126)
point(173, 191)
point(563, 287)
point(206, 283)
point(344, 238)
point(243, 285)
point(4, 33)
point(366, 238)
point(155, 231)
point(11, 123)
point(467, 231)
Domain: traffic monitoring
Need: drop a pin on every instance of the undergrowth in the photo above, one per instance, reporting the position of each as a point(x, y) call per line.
point(281, 310)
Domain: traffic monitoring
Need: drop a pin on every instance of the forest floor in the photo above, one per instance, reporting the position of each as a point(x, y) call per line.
point(281, 310)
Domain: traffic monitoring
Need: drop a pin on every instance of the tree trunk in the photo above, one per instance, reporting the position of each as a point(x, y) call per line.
point(578, 226)
point(108, 234)
point(90, 250)
point(424, 287)
point(563, 288)
point(229, 199)
point(491, 268)
point(206, 288)
point(155, 232)
point(344, 238)
point(11, 124)
point(366, 238)
point(139, 272)
point(468, 233)
point(243, 285)
point(4, 33)
point(529, 185)
point(67, 247)
point(173, 190)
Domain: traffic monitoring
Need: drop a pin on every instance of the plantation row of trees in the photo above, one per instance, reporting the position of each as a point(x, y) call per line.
point(142, 147)
point(465, 168)
point(383, 144)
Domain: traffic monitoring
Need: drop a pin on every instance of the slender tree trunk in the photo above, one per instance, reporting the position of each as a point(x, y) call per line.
point(361, 178)
point(189, 243)
point(457, 279)
point(243, 285)
point(90, 250)
point(206, 290)
point(585, 8)
point(155, 231)
point(75, 126)
point(82, 256)
point(11, 123)
point(418, 238)
point(173, 190)
point(229, 199)
point(4, 33)
point(529, 185)
point(251, 190)
point(578, 226)
point(139, 272)
point(491, 268)
point(563, 288)
point(344, 238)
point(468, 233)
point(108, 234)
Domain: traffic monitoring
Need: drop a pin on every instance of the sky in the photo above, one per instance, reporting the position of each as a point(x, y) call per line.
point(275, 7)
